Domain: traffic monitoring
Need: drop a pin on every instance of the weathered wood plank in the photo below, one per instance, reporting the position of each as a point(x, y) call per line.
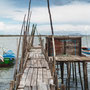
point(72, 58)
point(39, 79)
point(45, 80)
point(34, 80)
point(23, 79)
point(29, 77)
point(37, 72)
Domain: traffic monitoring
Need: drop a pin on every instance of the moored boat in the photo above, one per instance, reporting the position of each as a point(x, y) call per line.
point(8, 59)
point(86, 50)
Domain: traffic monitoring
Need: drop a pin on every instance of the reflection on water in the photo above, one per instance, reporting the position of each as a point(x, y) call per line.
point(6, 75)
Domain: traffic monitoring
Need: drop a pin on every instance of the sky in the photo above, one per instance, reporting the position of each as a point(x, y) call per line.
point(67, 15)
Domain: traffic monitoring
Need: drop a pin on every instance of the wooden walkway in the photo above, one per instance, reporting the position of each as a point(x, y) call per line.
point(37, 75)
point(72, 58)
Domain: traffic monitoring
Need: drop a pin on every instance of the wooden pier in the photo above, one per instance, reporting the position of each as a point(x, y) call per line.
point(39, 66)
point(37, 75)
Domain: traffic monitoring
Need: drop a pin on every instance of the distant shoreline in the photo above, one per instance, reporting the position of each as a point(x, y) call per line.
point(39, 35)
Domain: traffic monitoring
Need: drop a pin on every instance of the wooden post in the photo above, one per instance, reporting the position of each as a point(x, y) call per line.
point(75, 74)
point(18, 48)
point(66, 84)
point(53, 41)
point(63, 87)
point(79, 69)
point(23, 52)
point(50, 65)
point(85, 76)
point(28, 18)
point(11, 85)
point(57, 69)
point(68, 75)
point(52, 87)
point(73, 71)
point(18, 80)
point(62, 71)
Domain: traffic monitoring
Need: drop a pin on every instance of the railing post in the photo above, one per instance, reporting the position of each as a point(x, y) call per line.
point(11, 85)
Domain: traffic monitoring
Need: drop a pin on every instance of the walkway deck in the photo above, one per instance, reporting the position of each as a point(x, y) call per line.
point(72, 58)
point(37, 75)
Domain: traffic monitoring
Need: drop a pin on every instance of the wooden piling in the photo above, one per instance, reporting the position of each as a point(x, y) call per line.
point(68, 75)
point(73, 71)
point(75, 74)
point(57, 68)
point(85, 76)
point(63, 87)
point(11, 85)
point(79, 69)
point(62, 72)
point(52, 87)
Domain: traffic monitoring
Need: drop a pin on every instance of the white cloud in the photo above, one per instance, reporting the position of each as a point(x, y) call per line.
point(1, 25)
point(84, 29)
point(10, 28)
point(76, 14)
point(8, 11)
point(74, 17)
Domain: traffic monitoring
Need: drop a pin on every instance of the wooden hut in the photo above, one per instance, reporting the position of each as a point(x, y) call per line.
point(64, 45)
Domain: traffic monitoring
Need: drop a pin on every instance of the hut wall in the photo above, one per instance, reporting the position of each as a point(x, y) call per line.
point(63, 46)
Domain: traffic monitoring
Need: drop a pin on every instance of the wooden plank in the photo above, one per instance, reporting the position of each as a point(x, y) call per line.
point(39, 79)
point(38, 73)
point(34, 77)
point(48, 73)
point(26, 70)
point(72, 58)
point(45, 64)
point(23, 78)
point(42, 86)
point(45, 80)
point(28, 64)
point(29, 77)
point(39, 63)
point(27, 88)
point(34, 88)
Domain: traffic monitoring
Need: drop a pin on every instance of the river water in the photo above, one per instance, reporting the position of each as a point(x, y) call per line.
point(10, 43)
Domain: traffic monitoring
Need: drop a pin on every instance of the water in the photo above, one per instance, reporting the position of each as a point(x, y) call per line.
point(6, 74)
point(10, 43)
point(86, 41)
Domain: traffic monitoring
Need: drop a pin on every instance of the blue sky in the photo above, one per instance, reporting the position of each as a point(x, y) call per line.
point(67, 15)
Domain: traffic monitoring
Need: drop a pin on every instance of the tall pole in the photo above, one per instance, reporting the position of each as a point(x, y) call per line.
point(54, 53)
point(28, 17)
point(51, 28)
point(22, 28)
point(50, 17)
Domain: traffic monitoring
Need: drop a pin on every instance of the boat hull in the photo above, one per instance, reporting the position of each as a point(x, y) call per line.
point(86, 50)
point(8, 59)
point(7, 62)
